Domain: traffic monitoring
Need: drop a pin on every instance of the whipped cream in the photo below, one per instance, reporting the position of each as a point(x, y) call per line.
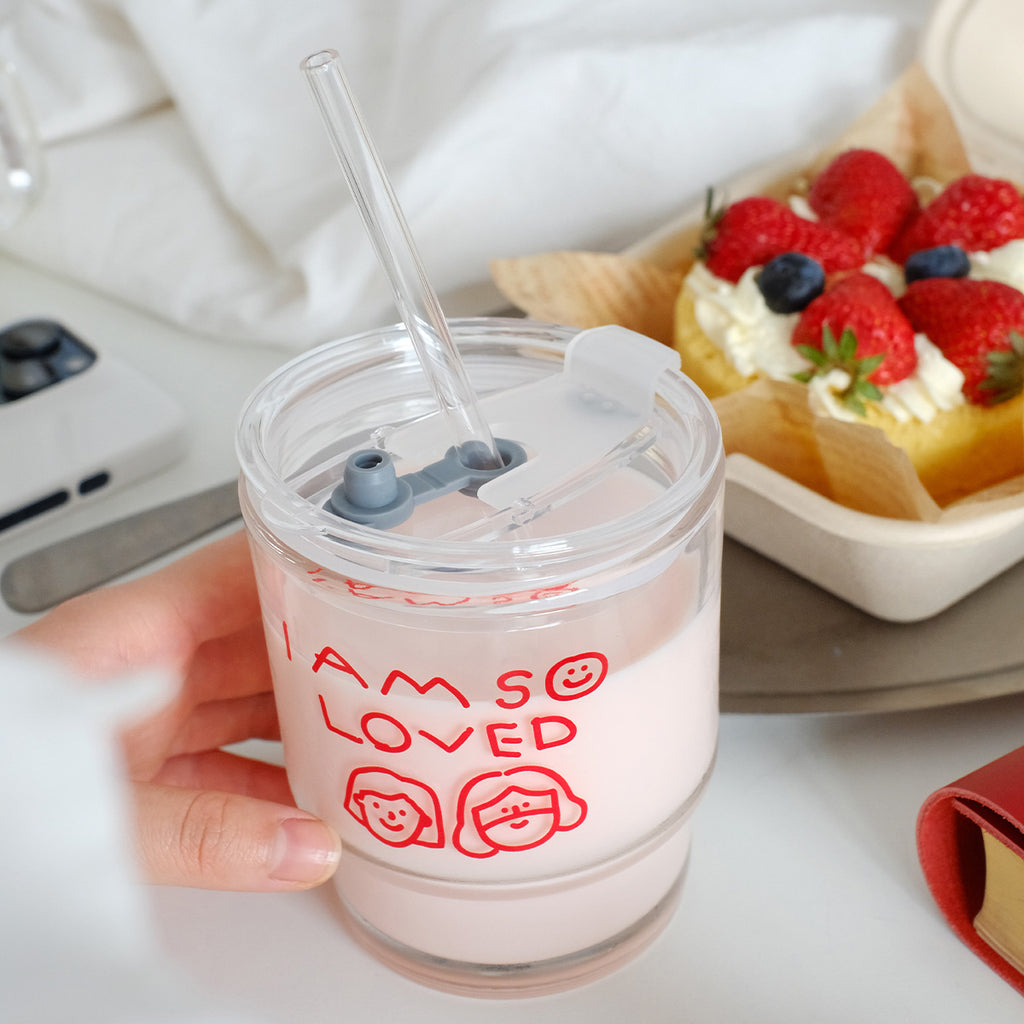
point(1005, 264)
point(734, 316)
point(888, 272)
point(934, 385)
point(801, 207)
point(757, 342)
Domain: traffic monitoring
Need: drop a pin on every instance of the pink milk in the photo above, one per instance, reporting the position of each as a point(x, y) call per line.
point(509, 734)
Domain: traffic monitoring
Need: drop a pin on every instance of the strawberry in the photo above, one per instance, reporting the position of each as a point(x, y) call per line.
point(974, 212)
point(979, 326)
point(864, 194)
point(875, 340)
point(750, 232)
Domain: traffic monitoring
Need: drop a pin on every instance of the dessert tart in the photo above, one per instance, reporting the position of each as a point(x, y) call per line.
point(896, 302)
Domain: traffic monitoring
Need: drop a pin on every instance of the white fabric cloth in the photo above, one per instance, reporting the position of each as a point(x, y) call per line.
point(76, 937)
point(189, 174)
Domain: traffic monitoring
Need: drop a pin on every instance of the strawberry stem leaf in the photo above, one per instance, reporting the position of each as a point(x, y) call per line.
point(842, 355)
point(709, 229)
point(1005, 371)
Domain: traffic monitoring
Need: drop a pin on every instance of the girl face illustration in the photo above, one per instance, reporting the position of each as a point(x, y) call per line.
point(394, 819)
point(517, 809)
point(396, 810)
point(518, 818)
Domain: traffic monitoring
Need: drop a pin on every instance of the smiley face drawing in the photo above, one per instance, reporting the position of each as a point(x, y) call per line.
point(396, 810)
point(518, 809)
point(576, 676)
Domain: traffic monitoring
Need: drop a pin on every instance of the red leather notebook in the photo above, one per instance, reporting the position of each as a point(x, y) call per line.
point(950, 846)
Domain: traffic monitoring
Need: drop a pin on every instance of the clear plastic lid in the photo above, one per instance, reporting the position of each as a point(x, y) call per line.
point(623, 457)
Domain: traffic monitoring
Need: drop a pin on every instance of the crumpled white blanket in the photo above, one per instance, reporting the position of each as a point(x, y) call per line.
point(189, 174)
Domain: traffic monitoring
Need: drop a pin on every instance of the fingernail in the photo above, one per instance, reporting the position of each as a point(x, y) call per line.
point(305, 850)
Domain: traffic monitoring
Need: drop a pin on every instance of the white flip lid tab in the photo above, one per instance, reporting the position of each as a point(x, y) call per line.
point(567, 422)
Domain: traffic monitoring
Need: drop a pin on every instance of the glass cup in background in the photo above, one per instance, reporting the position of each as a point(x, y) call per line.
point(21, 160)
point(509, 734)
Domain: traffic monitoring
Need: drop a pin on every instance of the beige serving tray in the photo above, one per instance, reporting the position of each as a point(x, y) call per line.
point(898, 570)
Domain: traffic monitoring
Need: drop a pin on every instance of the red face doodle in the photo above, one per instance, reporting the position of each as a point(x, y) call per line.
point(517, 809)
point(392, 819)
point(575, 677)
point(396, 810)
point(517, 818)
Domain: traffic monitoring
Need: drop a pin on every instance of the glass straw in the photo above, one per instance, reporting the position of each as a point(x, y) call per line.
point(416, 299)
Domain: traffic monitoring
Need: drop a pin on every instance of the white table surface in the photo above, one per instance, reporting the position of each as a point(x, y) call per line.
point(804, 900)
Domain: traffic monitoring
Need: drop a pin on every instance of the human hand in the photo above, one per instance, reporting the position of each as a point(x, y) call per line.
point(205, 817)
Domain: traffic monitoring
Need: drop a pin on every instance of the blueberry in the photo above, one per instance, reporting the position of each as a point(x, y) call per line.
point(790, 281)
point(942, 261)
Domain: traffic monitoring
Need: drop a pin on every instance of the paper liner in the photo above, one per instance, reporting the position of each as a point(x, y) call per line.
point(589, 289)
point(913, 126)
point(851, 463)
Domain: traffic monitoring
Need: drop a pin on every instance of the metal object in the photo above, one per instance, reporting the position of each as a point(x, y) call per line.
point(43, 578)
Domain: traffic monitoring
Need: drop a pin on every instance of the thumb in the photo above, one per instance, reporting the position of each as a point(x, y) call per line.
point(212, 840)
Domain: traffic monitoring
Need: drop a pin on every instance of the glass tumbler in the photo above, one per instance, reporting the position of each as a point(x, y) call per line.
point(509, 729)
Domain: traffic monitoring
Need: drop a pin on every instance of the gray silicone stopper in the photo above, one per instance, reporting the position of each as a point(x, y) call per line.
point(372, 494)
